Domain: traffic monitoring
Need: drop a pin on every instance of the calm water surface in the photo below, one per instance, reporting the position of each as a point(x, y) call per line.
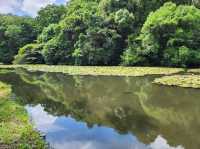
point(85, 112)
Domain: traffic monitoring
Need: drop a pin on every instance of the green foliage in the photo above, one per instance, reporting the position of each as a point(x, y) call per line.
point(169, 37)
point(53, 53)
point(59, 39)
point(125, 21)
point(50, 14)
point(139, 8)
point(106, 32)
point(29, 54)
point(48, 33)
point(15, 130)
point(97, 47)
point(15, 32)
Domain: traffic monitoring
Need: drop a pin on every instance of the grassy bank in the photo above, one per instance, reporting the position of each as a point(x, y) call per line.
point(106, 71)
point(15, 128)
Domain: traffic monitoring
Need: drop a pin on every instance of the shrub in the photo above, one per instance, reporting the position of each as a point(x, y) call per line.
point(29, 54)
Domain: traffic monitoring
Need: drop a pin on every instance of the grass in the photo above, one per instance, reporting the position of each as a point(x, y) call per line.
point(105, 71)
point(15, 128)
point(186, 81)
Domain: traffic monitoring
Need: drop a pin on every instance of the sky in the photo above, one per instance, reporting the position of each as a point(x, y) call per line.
point(26, 7)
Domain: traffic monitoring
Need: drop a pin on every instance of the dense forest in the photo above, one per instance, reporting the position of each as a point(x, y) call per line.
point(105, 32)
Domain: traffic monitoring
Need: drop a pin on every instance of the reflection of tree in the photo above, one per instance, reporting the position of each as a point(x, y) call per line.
point(125, 119)
point(176, 110)
point(127, 104)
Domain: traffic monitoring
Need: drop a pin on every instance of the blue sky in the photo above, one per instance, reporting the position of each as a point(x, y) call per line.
point(26, 7)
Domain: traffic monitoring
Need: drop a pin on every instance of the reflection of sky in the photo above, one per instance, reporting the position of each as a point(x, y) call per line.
point(66, 133)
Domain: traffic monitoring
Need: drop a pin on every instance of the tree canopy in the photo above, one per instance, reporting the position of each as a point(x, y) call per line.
point(169, 37)
point(15, 32)
point(105, 32)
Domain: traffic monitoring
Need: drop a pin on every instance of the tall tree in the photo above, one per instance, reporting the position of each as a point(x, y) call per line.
point(169, 37)
point(15, 32)
point(51, 14)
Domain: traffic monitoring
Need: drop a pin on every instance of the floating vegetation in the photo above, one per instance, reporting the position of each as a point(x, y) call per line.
point(196, 71)
point(187, 81)
point(105, 71)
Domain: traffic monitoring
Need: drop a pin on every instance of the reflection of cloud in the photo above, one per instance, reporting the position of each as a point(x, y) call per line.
point(66, 132)
point(161, 143)
point(42, 120)
point(76, 145)
point(96, 145)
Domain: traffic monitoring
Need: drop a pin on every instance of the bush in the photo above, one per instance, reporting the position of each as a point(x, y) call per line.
point(29, 54)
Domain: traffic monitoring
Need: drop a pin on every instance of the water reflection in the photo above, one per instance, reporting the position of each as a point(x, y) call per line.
point(108, 112)
point(66, 133)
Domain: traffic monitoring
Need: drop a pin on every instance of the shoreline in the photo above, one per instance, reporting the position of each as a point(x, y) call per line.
point(16, 130)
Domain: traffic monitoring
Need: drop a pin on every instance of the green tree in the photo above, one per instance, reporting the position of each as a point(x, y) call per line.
point(97, 47)
point(15, 32)
point(125, 21)
point(48, 33)
point(169, 37)
point(99, 32)
point(59, 39)
point(51, 14)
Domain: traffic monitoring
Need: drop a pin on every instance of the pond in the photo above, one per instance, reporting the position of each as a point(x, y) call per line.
point(101, 112)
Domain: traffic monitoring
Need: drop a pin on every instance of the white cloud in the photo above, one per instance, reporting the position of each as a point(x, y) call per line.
point(28, 7)
point(9, 6)
point(32, 7)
